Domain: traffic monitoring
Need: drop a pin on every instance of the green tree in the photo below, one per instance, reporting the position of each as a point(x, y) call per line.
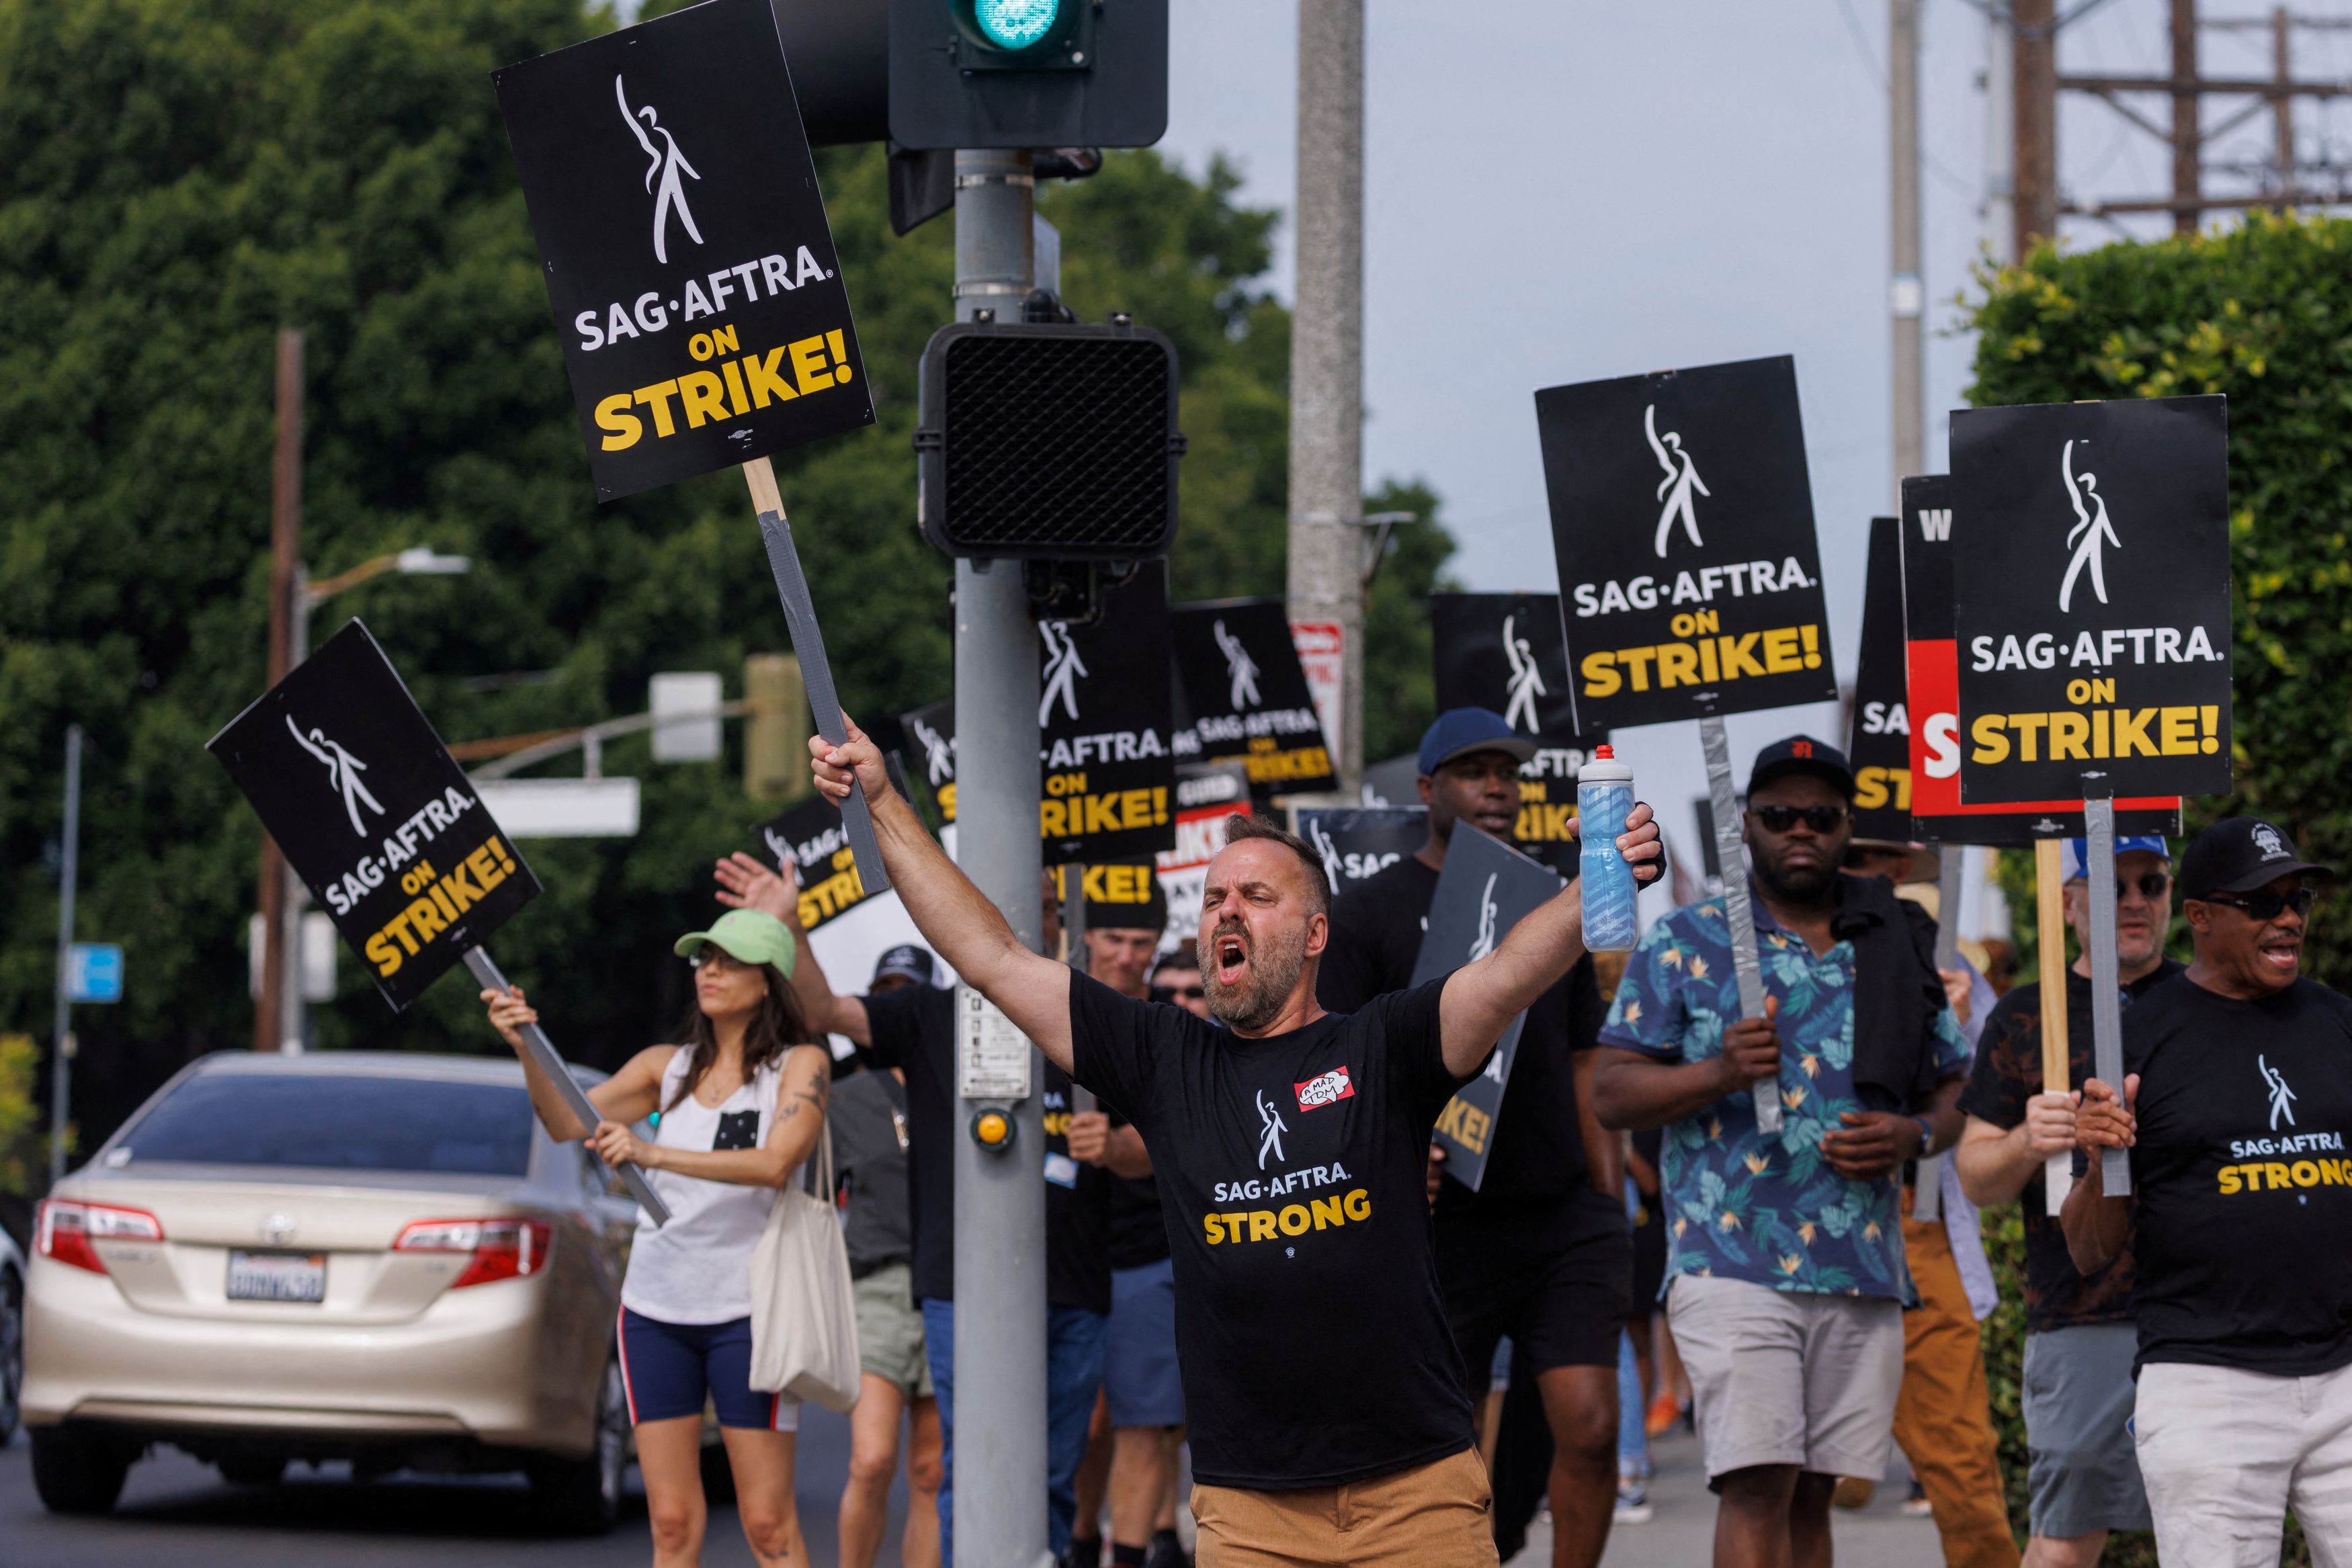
point(179, 178)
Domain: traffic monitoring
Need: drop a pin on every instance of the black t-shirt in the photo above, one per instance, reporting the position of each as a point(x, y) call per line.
point(1538, 1148)
point(2008, 1072)
point(870, 1170)
point(1309, 1330)
point(913, 1028)
point(2243, 1191)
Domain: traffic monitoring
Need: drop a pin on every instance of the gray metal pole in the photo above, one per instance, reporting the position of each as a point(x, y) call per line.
point(2106, 975)
point(1907, 290)
point(60, 1035)
point(1000, 1237)
point(1326, 355)
point(1730, 852)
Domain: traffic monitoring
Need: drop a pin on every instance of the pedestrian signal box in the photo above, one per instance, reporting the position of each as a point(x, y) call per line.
point(1049, 442)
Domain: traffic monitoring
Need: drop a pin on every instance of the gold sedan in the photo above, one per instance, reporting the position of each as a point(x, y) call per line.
point(355, 1256)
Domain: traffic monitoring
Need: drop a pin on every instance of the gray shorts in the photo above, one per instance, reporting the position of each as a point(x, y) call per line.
point(2083, 1476)
point(891, 1331)
point(1789, 1377)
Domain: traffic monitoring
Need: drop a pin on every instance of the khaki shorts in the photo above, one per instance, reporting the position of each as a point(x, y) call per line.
point(1789, 1377)
point(1438, 1515)
point(891, 1331)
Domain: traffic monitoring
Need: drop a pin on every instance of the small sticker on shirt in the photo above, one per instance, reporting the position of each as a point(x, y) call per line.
point(737, 1130)
point(1061, 1170)
point(1325, 1088)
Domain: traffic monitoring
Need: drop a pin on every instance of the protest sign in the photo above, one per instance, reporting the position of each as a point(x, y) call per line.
point(1394, 782)
point(1358, 843)
point(1505, 651)
point(685, 245)
point(375, 816)
point(1245, 695)
point(1879, 746)
point(931, 730)
point(1486, 888)
point(2092, 604)
point(1104, 716)
point(1206, 794)
point(849, 927)
point(1932, 663)
point(1683, 518)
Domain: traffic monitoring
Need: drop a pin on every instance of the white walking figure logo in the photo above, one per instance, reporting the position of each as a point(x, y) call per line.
point(1270, 1139)
point(1526, 681)
point(2088, 533)
point(1240, 666)
point(663, 161)
point(1327, 849)
point(938, 758)
point(1486, 912)
point(1063, 668)
point(344, 772)
point(2281, 1095)
point(1682, 478)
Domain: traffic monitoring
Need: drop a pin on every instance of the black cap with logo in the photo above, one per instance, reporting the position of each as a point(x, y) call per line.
point(1802, 753)
point(2237, 854)
point(907, 962)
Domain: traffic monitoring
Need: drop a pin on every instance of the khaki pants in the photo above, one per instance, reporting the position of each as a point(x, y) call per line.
point(1943, 1417)
point(1438, 1514)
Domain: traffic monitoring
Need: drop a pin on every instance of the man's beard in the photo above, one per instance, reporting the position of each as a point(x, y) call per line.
point(1797, 884)
point(1265, 985)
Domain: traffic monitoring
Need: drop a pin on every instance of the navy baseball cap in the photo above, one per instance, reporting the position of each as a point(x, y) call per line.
point(2078, 854)
point(1460, 731)
point(1802, 753)
point(2239, 854)
point(907, 962)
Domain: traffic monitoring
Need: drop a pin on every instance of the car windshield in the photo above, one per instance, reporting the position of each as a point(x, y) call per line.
point(338, 1122)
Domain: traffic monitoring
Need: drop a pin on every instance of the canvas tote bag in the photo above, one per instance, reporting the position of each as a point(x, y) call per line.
point(803, 1318)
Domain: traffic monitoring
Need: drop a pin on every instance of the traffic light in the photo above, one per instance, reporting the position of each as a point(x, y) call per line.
point(1049, 442)
point(1028, 73)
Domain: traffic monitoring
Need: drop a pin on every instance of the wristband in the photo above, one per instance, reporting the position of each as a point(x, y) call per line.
point(1926, 1137)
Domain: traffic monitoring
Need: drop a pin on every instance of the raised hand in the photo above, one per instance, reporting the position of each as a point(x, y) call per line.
point(745, 882)
point(857, 758)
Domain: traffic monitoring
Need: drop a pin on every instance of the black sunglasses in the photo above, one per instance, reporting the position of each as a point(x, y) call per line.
point(2265, 907)
point(2151, 885)
point(1184, 993)
point(1781, 819)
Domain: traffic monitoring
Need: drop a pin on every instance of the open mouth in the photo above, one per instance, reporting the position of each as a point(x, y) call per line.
point(2281, 952)
point(1231, 955)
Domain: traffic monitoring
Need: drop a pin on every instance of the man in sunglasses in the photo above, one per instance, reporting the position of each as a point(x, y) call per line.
point(2081, 1478)
point(2236, 1102)
point(1786, 1269)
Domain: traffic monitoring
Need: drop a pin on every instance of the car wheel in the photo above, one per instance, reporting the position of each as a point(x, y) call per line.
point(252, 1469)
point(76, 1473)
point(12, 1353)
point(583, 1496)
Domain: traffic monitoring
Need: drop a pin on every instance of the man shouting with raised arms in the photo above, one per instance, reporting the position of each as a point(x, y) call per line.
point(1322, 1389)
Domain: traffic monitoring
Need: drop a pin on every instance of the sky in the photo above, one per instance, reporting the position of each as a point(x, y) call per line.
point(1560, 191)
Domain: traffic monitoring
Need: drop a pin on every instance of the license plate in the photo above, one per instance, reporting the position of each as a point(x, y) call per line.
point(277, 1276)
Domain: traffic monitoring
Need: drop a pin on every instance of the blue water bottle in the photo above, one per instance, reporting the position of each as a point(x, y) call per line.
point(1604, 796)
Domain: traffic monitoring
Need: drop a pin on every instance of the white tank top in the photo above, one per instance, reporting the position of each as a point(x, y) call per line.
point(697, 1268)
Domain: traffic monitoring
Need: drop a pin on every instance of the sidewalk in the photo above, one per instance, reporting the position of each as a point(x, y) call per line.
point(1683, 1533)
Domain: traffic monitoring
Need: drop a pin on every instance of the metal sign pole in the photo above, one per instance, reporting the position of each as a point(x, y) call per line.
point(2057, 1059)
point(2107, 978)
point(551, 1061)
point(1736, 910)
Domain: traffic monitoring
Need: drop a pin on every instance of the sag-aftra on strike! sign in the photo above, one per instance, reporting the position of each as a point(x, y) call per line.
point(685, 245)
point(2093, 599)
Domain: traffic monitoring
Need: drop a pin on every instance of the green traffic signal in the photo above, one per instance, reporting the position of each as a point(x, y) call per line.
point(1017, 23)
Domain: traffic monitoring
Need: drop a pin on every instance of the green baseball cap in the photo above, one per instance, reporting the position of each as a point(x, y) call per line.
point(747, 935)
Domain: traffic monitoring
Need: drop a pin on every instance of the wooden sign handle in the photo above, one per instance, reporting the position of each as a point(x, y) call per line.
point(2050, 926)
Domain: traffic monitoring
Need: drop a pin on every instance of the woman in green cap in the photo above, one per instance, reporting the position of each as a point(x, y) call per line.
point(737, 1108)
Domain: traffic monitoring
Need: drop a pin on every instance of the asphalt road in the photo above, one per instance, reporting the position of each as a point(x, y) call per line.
point(177, 1512)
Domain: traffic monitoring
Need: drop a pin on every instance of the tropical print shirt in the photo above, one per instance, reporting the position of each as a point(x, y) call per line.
point(1739, 1205)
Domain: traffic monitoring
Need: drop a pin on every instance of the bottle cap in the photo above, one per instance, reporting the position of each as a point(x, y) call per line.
point(1602, 754)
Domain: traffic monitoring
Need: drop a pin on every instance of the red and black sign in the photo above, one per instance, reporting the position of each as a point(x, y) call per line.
point(1879, 745)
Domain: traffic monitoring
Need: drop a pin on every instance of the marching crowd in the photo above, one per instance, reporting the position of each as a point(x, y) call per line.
point(1254, 1250)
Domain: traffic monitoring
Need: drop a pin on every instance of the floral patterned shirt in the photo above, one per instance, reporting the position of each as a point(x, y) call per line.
point(1739, 1205)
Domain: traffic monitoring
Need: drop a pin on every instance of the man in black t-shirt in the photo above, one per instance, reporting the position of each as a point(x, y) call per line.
point(2082, 1479)
point(1322, 1390)
point(2235, 1103)
point(1540, 1251)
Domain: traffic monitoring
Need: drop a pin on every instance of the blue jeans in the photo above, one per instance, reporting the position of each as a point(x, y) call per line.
point(1074, 1343)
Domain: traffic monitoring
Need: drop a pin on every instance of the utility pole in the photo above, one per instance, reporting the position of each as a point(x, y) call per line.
point(2282, 103)
point(1326, 357)
point(61, 1040)
point(1907, 290)
point(2035, 145)
point(2188, 145)
point(1000, 1236)
point(2001, 137)
point(281, 969)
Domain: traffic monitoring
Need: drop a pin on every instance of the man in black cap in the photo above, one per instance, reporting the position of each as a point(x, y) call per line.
point(2235, 1103)
point(1540, 1251)
point(1786, 1272)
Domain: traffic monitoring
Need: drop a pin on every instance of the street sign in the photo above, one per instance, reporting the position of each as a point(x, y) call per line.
point(563, 808)
point(1486, 888)
point(2092, 604)
point(1879, 747)
point(1932, 663)
point(94, 972)
point(1506, 652)
point(1683, 518)
point(1245, 695)
point(375, 816)
point(685, 704)
point(685, 245)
